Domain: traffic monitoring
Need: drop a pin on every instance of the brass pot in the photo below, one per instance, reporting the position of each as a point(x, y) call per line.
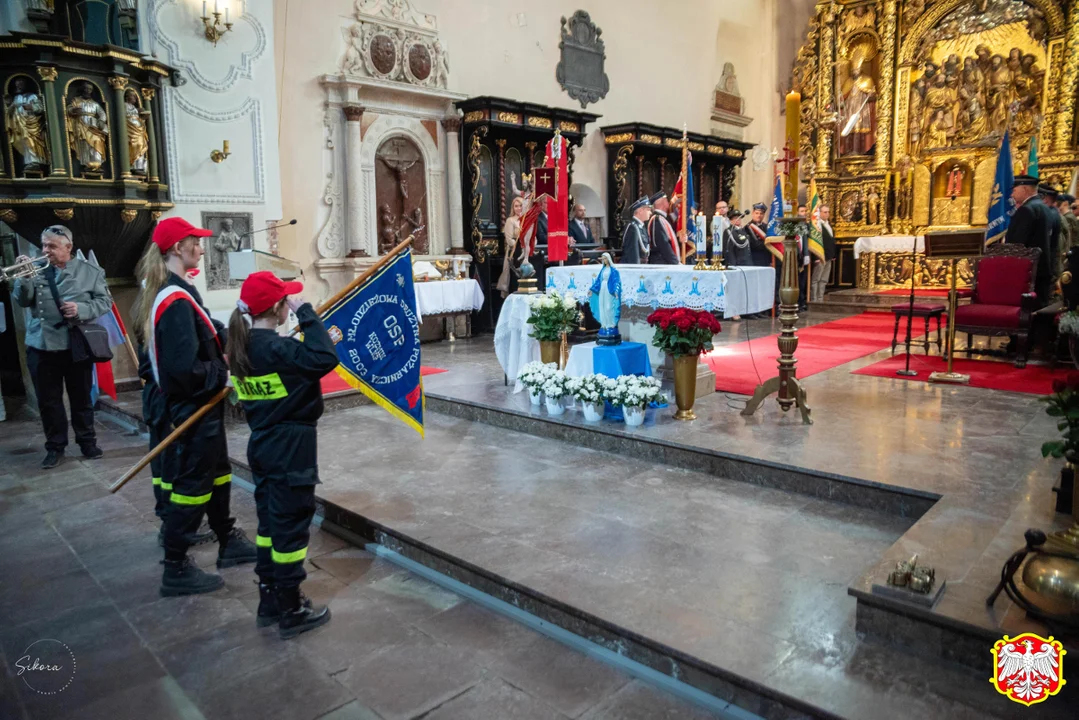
point(685, 386)
point(1055, 582)
point(550, 350)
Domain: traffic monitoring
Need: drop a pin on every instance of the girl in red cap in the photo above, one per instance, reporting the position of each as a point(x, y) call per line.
point(277, 380)
point(186, 353)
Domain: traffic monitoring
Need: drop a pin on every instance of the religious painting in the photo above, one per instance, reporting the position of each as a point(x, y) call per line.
point(401, 194)
point(580, 68)
point(231, 233)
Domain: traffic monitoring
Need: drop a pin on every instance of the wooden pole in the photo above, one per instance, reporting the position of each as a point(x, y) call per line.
point(224, 392)
point(684, 207)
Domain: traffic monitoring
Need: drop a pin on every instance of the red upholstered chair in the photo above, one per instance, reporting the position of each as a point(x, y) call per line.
point(1002, 297)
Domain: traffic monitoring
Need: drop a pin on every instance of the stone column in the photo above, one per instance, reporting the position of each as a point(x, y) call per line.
point(118, 83)
point(354, 188)
point(54, 116)
point(452, 125)
point(151, 135)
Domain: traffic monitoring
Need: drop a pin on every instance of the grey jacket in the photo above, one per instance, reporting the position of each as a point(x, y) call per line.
point(79, 282)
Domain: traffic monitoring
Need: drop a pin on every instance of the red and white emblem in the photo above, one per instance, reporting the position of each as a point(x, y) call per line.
point(1028, 668)
point(335, 334)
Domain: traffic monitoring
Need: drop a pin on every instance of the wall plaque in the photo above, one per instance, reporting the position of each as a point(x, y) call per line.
point(580, 70)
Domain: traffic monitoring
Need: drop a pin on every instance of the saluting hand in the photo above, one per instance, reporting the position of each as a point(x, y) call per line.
point(294, 302)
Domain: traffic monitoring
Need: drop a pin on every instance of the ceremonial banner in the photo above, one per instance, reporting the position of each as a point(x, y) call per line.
point(558, 208)
point(774, 243)
point(377, 335)
point(677, 193)
point(1001, 205)
point(1032, 159)
point(816, 239)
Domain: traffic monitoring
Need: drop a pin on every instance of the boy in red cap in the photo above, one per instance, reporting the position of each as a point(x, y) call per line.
point(186, 352)
point(277, 380)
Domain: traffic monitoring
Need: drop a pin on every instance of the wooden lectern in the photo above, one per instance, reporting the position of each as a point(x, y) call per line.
point(953, 246)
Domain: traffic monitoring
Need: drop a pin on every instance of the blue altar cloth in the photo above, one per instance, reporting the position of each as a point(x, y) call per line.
point(628, 358)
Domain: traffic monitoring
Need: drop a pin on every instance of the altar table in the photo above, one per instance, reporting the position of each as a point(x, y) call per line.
point(737, 291)
point(888, 243)
point(884, 262)
point(448, 297)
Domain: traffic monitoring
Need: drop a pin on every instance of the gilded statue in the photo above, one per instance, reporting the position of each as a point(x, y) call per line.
point(138, 142)
point(936, 135)
point(26, 125)
point(858, 99)
point(863, 17)
point(88, 128)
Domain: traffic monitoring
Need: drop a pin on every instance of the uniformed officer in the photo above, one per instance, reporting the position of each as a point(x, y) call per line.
point(758, 232)
point(635, 244)
point(661, 235)
point(186, 352)
point(1030, 226)
point(277, 380)
point(1049, 196)
point(736, 242)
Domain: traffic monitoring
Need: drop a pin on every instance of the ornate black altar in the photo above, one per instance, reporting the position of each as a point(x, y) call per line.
point(81, 143)
point(502, 141)
point(642, 159)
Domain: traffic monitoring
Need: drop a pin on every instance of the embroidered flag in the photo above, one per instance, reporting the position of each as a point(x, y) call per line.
point(691, 194)
point(774, 243)
point(816, 238)
point(558, 206)
point(377, 335)
point(1032, 159)
point(1001, 205)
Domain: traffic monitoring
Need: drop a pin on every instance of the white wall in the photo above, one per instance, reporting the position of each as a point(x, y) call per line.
point(230, 94)
point(662, 67)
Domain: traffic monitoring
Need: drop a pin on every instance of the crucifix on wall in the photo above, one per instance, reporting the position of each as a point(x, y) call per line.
point(401, 192)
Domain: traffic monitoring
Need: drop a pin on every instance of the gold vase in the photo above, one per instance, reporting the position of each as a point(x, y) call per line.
point(550, 350)
point(685, 386)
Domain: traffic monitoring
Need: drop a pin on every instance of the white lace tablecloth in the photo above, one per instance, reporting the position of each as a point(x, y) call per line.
point(448, 297)
point(887, 243)
point(513, 346)
point(738, 291)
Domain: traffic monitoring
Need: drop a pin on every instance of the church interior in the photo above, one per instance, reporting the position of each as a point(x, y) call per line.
point(852, 496)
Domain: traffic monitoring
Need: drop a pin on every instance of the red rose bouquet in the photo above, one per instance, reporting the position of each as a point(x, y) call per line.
point(1063, 404)
point(681, 331)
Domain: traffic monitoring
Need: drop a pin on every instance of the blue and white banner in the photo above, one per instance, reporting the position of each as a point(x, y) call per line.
point(377, 335)
point(1001, 205)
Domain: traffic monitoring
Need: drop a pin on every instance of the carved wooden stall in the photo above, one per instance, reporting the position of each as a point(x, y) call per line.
point(642, 159)
point(905, 103)
point(502, 141)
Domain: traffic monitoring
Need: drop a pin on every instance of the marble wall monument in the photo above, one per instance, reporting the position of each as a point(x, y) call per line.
point(580, 69)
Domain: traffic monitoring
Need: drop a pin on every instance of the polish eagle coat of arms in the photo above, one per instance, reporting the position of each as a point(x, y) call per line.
point(1028, 669)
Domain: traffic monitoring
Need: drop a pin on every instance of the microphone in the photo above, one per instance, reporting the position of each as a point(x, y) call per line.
point(272, 227)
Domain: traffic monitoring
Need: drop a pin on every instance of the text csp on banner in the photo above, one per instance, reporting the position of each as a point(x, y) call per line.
point(377, 334)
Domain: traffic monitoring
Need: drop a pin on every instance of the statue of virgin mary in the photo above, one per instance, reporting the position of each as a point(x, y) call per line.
point(605, 301)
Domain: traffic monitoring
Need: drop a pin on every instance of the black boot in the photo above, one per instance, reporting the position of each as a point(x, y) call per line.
point(268, 613)
point(297, 613)
point(184, 577)
point(235, 549)
point(52, 459)
point(203, 536)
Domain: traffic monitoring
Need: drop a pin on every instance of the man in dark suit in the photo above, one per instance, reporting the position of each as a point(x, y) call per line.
point(1049, 196)
point(635, 245)
point(1030, 226)
point(661, 233)
point(822, 269)
point(579, 233)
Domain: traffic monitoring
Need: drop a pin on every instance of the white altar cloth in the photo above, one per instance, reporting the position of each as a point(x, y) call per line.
point(448, 297)
point(514, 347)
point(738, 291)
point(888, 243)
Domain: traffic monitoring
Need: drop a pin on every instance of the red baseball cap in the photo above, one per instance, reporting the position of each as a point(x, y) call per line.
point(261, 290)
point(174, 229)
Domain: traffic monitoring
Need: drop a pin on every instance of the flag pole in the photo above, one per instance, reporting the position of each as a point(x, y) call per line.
point(224, 392)
point(685, 193)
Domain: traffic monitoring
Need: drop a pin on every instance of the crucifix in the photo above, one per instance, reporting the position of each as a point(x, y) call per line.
point(787, 160)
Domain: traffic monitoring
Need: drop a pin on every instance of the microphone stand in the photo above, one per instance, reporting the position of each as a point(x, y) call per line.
point(907, 372)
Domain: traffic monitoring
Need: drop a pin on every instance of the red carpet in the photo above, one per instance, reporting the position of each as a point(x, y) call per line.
point(905, 292)
point(820, 348)
point(1033, 379)
point(334, 383)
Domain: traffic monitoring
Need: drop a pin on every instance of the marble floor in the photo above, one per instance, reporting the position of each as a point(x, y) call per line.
point(750, 579)
point(81, 566)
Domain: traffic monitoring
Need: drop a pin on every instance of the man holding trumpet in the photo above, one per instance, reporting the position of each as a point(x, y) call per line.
point(56, 296)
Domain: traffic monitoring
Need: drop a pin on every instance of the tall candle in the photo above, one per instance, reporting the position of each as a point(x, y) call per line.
point(794, 133)
point(204, 9)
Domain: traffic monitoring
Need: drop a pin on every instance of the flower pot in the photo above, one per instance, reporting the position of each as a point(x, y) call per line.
point(685, 386)
point(634, 415)
point(549, 351)
point(535, 397)
point(555, 406)
point(593, 411)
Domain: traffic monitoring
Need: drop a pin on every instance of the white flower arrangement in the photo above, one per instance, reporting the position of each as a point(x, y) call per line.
point(632, 391)
point(555, 387)
point(588, 389)
point(535, 375)
point(1069, 323)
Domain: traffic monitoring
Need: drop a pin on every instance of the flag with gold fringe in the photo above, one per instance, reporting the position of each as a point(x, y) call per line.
point(816, 239)
point(377, 335)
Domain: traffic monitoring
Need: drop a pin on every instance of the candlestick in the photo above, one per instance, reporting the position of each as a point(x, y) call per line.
point(794, 133)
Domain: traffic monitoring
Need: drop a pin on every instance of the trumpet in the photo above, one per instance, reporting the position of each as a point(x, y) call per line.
point(25, 269)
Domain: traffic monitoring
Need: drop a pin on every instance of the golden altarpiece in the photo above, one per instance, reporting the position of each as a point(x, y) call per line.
point(904, 104)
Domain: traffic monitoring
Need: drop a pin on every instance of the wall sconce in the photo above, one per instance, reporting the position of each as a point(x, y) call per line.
point(214, 32)
point(220, 155)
